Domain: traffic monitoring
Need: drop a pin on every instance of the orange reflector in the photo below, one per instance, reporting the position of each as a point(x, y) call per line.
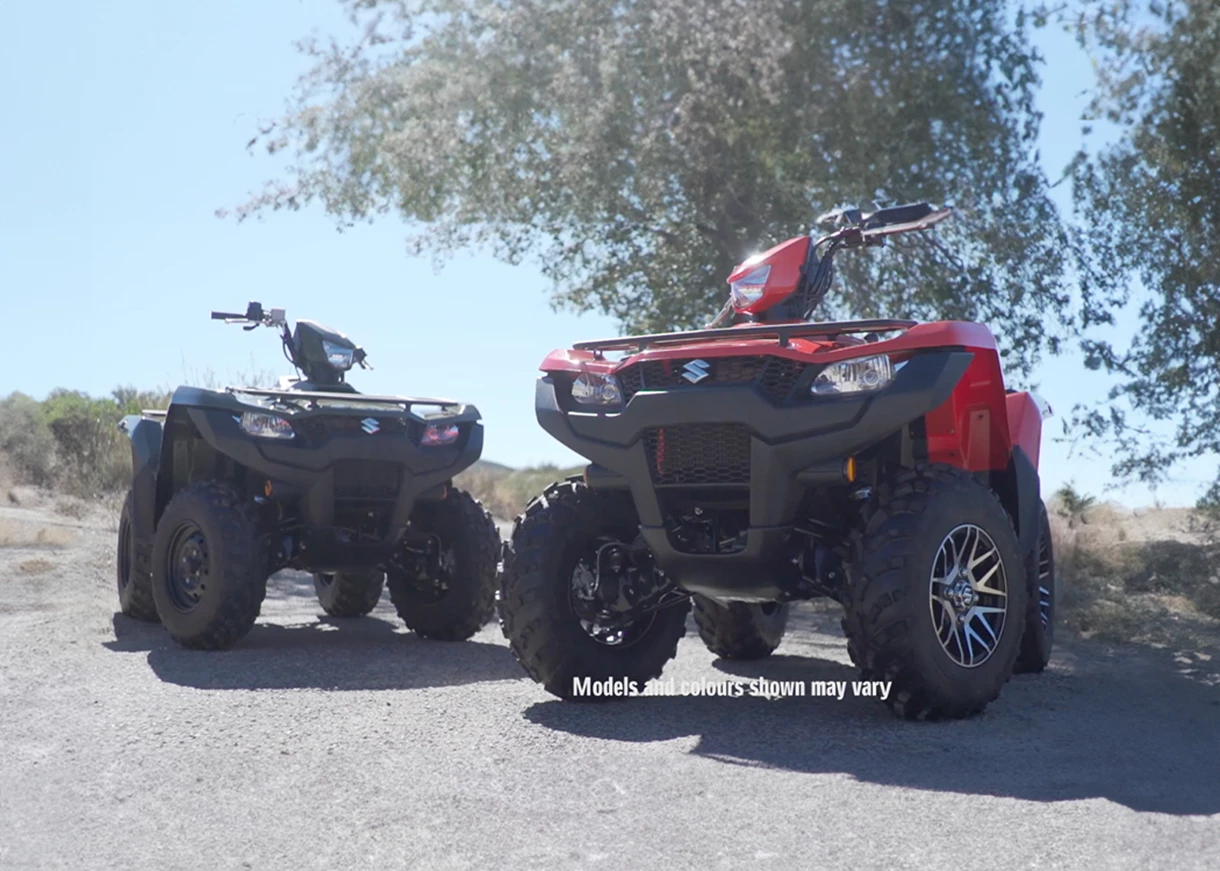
point(849, 469)
point(267, 488)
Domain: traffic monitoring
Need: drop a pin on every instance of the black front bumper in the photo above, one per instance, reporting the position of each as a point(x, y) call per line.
point(784, 441)
point(335, 469)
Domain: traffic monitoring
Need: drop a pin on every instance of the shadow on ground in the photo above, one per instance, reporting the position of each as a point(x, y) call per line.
point(1126, 724)
point(366, 653)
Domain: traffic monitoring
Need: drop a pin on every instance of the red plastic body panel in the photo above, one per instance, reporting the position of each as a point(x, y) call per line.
point(1025, 425)
point(974, 429)
point(785, 260)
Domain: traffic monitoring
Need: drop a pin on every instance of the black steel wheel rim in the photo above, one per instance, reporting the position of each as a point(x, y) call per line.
point(189, 567)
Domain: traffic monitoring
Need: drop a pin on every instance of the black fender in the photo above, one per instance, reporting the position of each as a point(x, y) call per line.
point(1029, 499)
point(1019, 489)
point(146, 436)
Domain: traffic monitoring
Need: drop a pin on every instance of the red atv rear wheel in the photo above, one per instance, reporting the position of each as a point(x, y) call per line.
point(740, 630)
point(1040, 612)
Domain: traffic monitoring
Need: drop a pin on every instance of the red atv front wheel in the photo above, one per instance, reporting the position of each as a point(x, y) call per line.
point(937, 603)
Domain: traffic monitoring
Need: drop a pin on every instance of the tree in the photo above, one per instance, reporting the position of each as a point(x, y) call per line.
point(641, 148)
point(1150, 206)
point(1074, 506)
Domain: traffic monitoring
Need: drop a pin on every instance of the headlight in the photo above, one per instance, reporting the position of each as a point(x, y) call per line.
point(437, 434)
point(338, 356)
point(594, 388)
point(267, 426)
point(749, 288)
point(854, 376)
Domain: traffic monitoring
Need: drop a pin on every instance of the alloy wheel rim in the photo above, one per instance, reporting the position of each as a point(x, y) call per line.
point(968, 595)
point(1044, 582)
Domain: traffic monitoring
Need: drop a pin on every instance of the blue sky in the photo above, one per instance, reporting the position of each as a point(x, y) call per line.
point(123, 130)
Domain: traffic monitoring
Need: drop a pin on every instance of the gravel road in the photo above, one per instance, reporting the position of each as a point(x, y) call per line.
point(352, 744)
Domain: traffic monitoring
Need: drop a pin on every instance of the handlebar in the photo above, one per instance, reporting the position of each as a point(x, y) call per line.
point(255, 315)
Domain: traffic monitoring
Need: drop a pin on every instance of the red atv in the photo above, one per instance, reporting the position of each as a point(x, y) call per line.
point(881, 463)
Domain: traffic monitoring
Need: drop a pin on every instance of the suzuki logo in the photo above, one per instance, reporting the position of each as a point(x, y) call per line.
point(369, 425)
point(696, 371)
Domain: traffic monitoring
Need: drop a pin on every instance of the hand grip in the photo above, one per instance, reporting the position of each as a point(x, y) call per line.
point(225, 316)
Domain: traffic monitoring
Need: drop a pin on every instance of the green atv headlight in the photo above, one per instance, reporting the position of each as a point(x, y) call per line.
point(339, 356)
point(267, 426)
point(854, 376)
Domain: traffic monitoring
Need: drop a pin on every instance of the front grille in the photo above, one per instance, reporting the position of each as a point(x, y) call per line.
point(366, 480)
point(704, 453)
point(775, 376)
point(321, 427)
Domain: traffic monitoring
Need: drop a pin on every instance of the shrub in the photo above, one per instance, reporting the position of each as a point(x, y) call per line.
point(505, 492)
point(94, 455)
point(26, 439)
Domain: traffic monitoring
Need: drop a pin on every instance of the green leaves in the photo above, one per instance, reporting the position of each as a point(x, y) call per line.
point(1150, 205)
point(639, 150)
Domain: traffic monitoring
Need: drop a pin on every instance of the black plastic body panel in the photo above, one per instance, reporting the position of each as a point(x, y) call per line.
point(145, 459)
point(1028, 499)
point(784, 441)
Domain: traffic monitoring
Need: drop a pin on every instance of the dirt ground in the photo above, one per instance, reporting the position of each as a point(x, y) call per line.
point(331, 744)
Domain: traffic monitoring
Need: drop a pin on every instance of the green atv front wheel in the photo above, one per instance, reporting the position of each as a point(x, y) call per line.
point(455, 597)
point(209, 570)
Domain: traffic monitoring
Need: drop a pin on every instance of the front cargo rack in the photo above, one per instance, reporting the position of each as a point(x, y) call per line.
point(318, 398)
point(783, 332)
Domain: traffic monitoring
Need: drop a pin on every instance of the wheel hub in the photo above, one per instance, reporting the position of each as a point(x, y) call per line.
point(961, 595)
point(611, 596)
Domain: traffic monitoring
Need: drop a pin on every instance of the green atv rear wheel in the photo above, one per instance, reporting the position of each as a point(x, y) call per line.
point(348, 594)
point(135, 586)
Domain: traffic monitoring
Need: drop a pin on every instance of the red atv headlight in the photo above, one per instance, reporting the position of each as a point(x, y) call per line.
point(749, 289)
point(862, 375)
point(596, 388)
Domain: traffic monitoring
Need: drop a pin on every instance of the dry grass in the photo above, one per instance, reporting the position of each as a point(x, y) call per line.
point(1145, 576)
point(71, 506)
point(35, 566)
point(37, 535)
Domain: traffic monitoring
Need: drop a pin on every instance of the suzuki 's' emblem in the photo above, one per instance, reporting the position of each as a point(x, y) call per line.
point(369, 425)
point(696, 371)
